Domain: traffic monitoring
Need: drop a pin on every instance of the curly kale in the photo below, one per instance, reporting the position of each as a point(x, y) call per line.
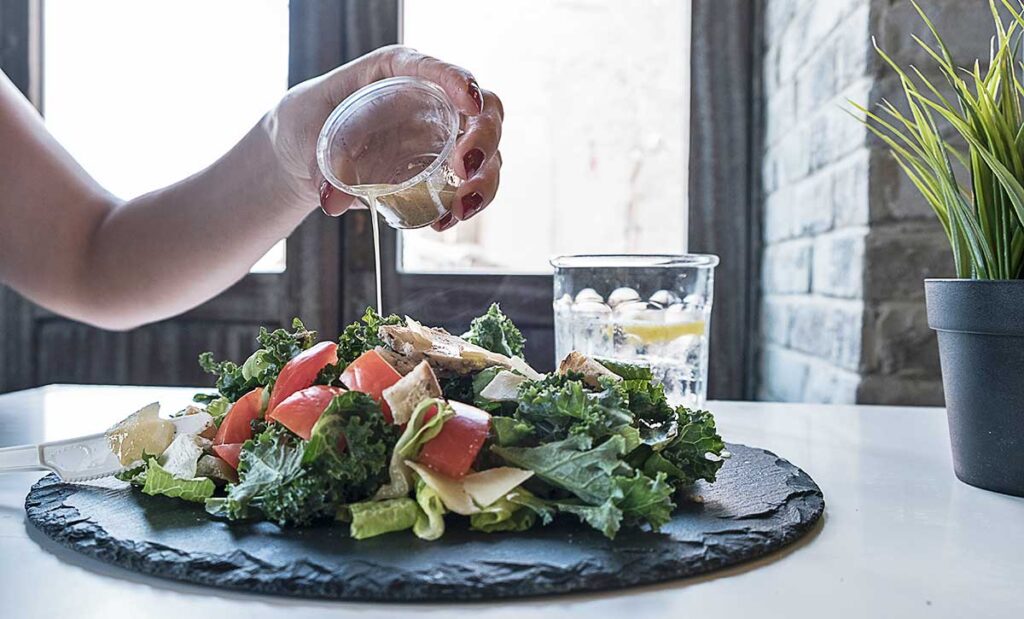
point(560, 405)
point(352, 444)
point(262, 367)
point(292, 482)
point(495, 332)
point(362, 335)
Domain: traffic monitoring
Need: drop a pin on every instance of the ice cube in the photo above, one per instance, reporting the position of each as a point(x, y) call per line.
point(694, 301)
point(665, 298)
point(563, 303)
point(588, 294)
point(638, 310)
point(596, 308)
point(623, 295)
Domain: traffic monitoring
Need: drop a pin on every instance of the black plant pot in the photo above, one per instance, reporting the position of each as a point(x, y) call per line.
point(980, 325)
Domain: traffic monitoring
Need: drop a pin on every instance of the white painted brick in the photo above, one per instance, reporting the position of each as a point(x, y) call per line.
point(786, 267)
point(839, 264)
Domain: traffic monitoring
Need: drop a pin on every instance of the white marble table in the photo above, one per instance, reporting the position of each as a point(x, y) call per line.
point(901, 537)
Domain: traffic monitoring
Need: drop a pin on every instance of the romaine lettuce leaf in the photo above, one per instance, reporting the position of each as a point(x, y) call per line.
point(503, 515)
point(372, 518)
point(160, 481)
point(430, 521)
point(417, 432)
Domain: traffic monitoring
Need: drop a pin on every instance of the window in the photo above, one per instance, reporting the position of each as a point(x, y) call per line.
point(146, 93)
point(595, 139)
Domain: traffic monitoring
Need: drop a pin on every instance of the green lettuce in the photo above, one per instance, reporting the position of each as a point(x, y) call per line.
point(417, 432)
point(372, 518)
point(362, 335)
point(495, 332)
point(430, 522)
point(503, 515)
point(160, 482)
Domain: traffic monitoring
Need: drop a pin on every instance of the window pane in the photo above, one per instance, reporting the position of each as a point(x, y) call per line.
point(595, 140)
point(145, 93)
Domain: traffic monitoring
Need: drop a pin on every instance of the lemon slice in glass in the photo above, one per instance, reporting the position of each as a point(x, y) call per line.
point(657, 333)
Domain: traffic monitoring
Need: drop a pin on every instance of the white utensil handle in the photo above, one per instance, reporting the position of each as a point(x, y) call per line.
point(23, 458)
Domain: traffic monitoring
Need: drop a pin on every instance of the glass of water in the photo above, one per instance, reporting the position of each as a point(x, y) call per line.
point(649, 309)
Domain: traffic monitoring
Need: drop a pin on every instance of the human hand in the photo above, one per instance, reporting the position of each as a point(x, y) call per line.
point(294, 125)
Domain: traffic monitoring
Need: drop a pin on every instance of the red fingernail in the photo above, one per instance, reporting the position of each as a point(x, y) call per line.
point(473, 160)
point(447, 221)
point(478, 97)
point(471, 205)
point(326, 189)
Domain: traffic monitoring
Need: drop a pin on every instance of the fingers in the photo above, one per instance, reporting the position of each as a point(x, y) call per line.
point(458, 83)
point(333, 201)
point(480, 138)
point(477, 192)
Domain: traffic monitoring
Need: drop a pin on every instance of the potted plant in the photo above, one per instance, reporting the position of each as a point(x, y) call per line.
point(961, 142)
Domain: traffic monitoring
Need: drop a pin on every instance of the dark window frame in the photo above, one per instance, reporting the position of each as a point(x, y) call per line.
point(330, 264)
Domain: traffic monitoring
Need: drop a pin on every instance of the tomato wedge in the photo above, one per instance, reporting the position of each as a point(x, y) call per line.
point(237, 424)
point(371, 374)
point(456, 446)
point(229, 453)
point(300, 411)
point(301, 371)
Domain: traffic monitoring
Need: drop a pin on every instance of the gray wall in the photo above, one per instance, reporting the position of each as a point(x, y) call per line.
point(847, 239)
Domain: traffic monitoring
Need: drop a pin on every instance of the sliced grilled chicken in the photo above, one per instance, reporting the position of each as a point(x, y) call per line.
point(591, 370)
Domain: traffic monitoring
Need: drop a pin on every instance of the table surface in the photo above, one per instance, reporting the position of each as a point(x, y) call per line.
point(901, 537)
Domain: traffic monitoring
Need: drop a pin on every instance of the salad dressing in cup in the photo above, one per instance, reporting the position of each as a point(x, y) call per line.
point(390, 145)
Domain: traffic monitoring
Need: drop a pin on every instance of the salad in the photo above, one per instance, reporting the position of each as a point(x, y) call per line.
point(397, 426)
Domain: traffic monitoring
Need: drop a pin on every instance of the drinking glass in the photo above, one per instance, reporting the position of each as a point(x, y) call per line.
point(648, 309)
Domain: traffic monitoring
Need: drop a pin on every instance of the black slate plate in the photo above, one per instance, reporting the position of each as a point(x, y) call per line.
point(759, 504)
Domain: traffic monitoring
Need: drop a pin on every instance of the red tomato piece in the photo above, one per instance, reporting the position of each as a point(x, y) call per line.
point(456, 446)
point(229, 453)
point(371, 374)
point(237, 424)
point(301, 371)
point(300, 411)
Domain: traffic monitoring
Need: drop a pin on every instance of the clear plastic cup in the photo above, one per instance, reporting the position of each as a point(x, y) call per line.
point(653, 309)
point(391, 143)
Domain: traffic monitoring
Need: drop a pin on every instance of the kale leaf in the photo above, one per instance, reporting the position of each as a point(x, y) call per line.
point(688, 452)
point(352, 443)
point(262, 367)
point(495, 332)
point(559, 405)
point(362, 335)
point(292, 482)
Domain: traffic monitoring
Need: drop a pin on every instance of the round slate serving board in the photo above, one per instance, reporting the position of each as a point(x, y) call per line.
point(759, 504)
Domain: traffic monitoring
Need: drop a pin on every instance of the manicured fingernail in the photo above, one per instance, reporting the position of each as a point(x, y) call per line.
point(326, 189)
point(447, 221)
point(471, 205)
point(473, 160)
point(478, 97)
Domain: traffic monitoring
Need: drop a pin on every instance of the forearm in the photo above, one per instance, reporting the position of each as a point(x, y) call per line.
point(167, 251)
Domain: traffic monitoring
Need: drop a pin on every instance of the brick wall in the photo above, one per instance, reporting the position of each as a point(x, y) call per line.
point(847, 239)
